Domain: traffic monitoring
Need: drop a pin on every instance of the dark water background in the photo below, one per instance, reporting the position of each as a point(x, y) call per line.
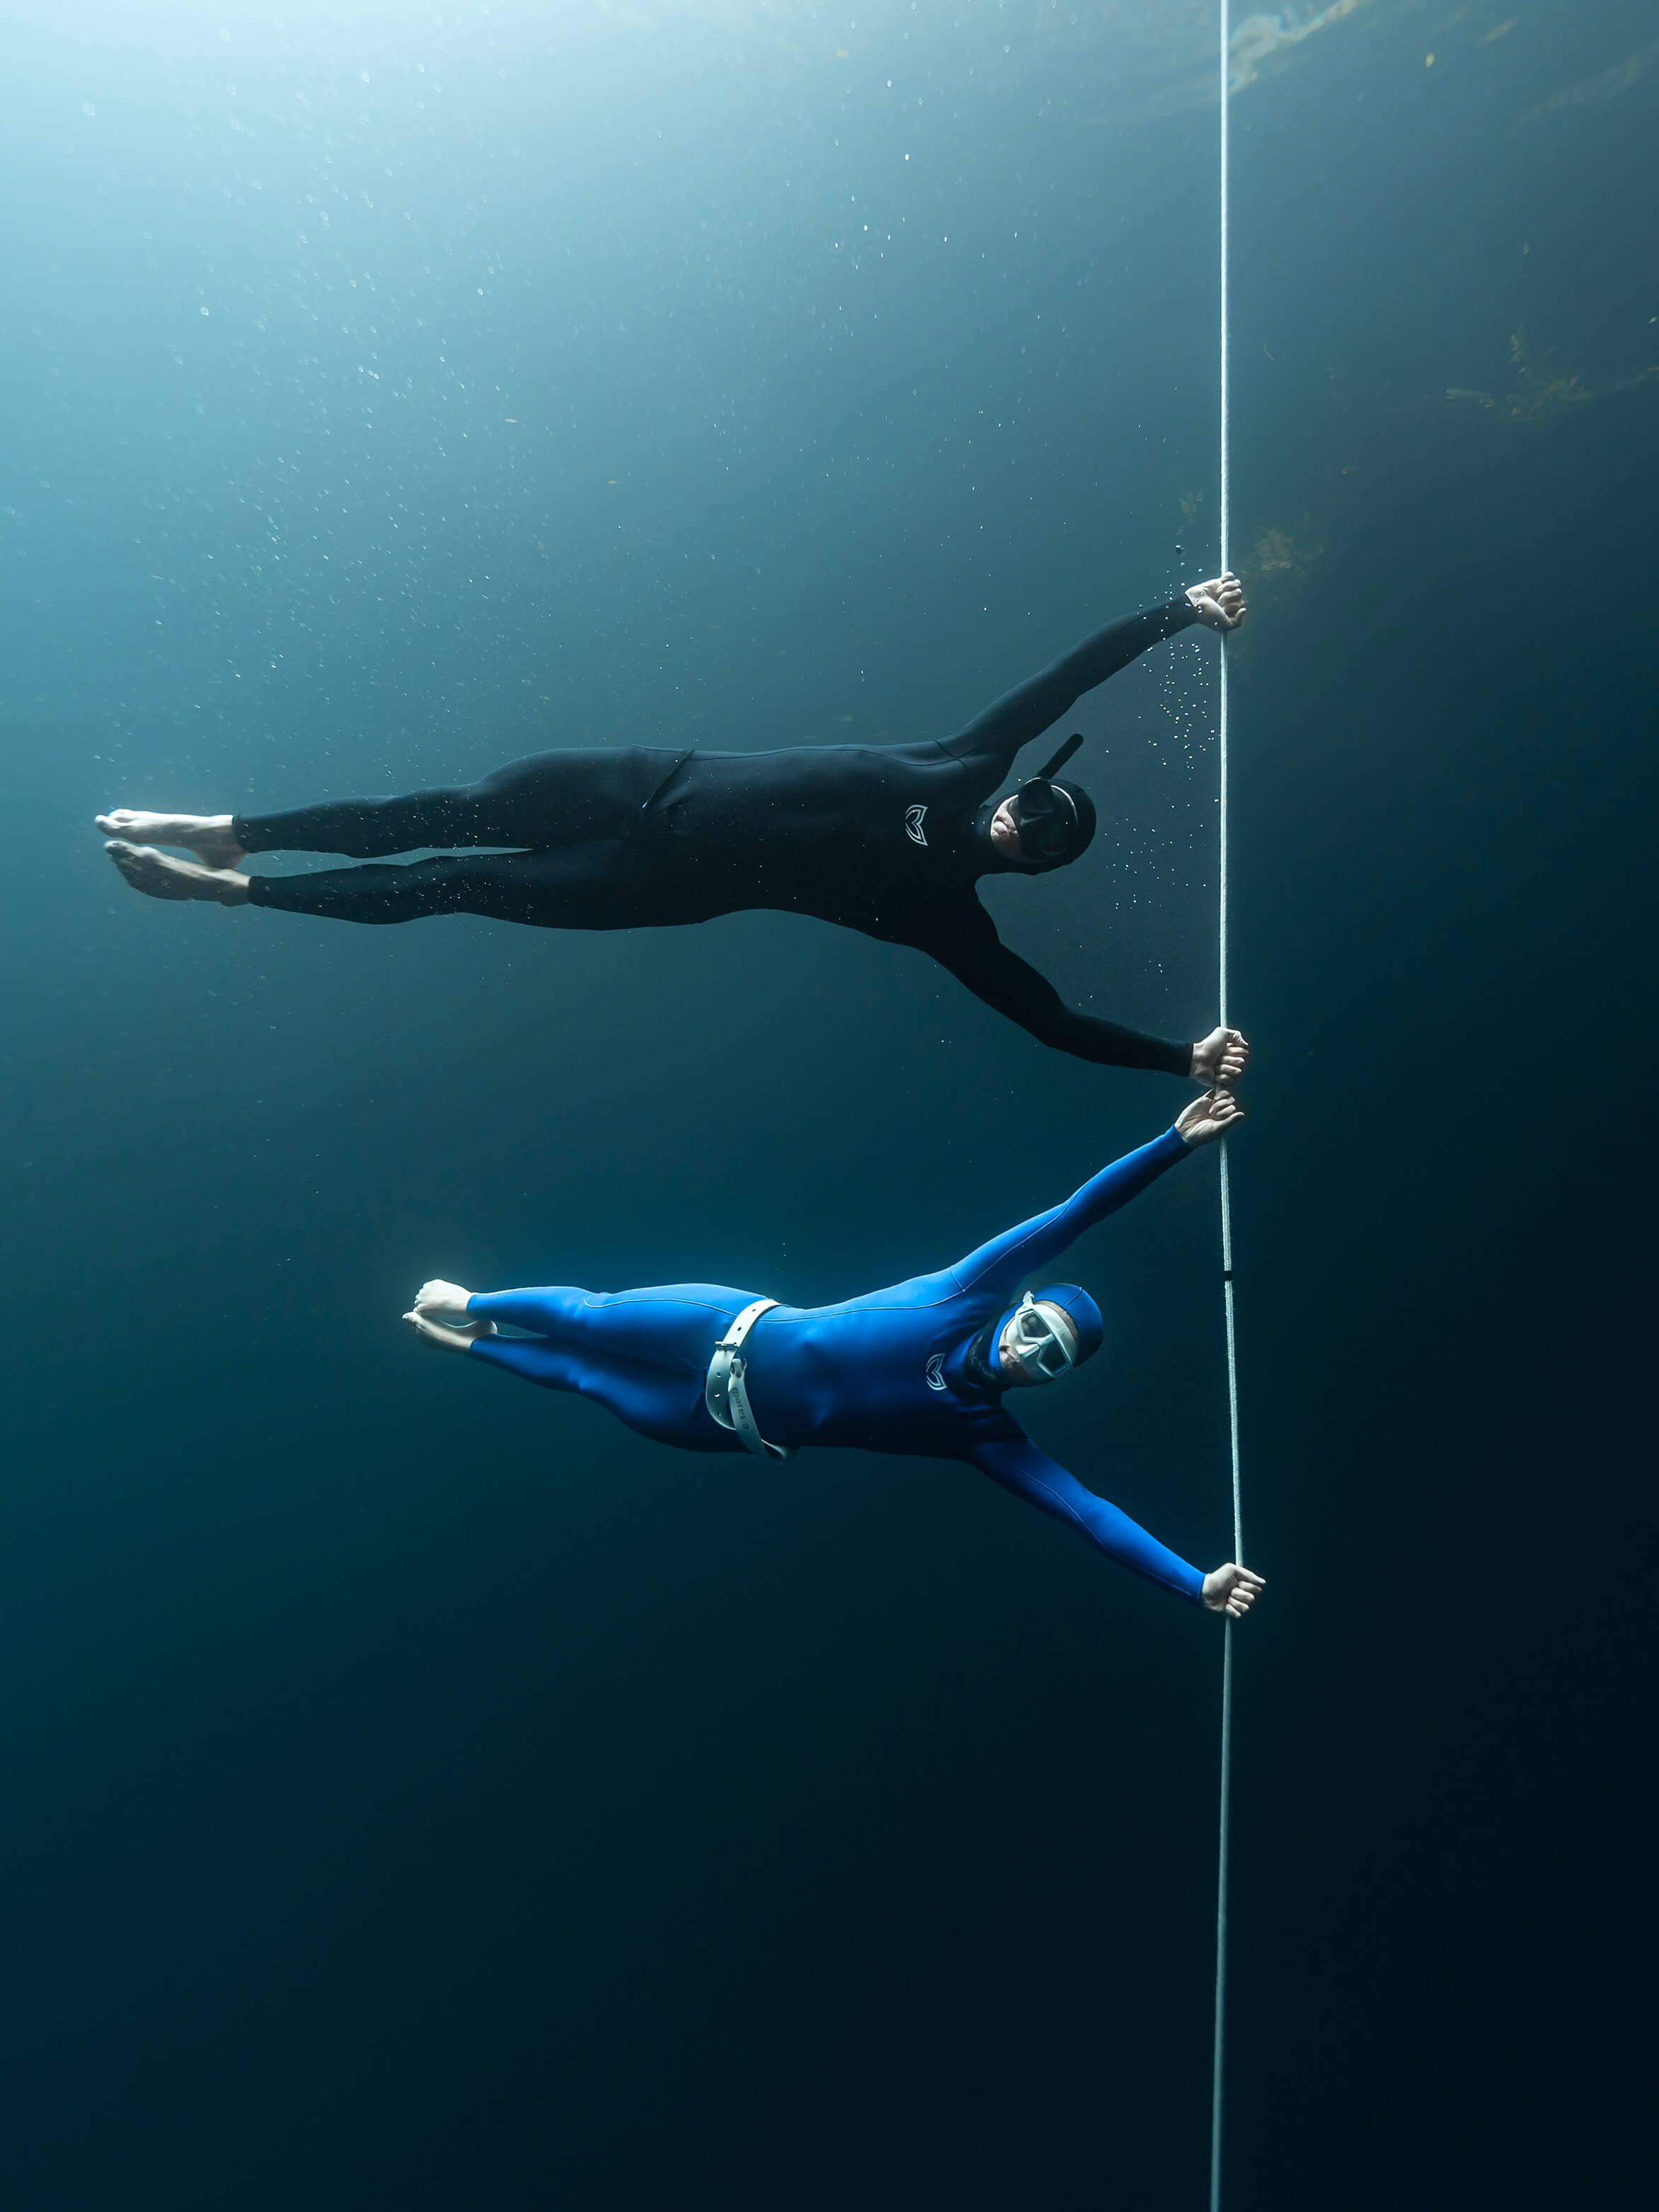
point(419, 1792)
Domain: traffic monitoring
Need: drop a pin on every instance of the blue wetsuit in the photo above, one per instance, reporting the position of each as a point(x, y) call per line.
point(887, 1372)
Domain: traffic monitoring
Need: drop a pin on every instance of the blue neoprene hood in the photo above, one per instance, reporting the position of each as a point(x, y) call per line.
point(1074, 1301)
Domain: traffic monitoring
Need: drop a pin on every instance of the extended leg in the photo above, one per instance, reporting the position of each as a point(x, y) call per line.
point(606, 884)
point(675, 1326)
point(612, 883)
point(561, 798)
point(642, 1355)
point(653, 1402)
point(550, 798)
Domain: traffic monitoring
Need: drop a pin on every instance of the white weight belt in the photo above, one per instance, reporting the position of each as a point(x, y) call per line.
point(725, 1393)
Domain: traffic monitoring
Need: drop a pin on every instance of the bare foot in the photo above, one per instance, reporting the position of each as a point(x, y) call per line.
point(442, 1302)
point(208, 835)
point(158, 876)
point(450, 1340)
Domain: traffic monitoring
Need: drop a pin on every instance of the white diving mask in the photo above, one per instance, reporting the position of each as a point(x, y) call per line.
point(1043, 1340)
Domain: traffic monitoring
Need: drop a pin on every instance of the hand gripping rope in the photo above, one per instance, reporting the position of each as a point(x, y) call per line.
point(1226, 1248)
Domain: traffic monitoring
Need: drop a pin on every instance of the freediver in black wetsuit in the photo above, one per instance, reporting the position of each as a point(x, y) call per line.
point(889, 840)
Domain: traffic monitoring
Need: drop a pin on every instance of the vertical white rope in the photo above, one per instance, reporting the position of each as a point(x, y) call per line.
point(1217, 2071)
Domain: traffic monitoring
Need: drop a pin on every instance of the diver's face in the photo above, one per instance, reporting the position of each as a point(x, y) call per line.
point(1016, 1369)
point(1005, 829)
point(1004, 833)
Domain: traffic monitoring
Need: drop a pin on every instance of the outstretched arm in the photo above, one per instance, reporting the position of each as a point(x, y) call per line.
point(1018, 1465)
point(999, 1266)
point(997, 734)
point(1031, 1474)
point(977, 956)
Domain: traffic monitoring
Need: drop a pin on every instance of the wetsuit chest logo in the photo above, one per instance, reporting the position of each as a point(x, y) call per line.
point(936, 1371)
point(914, 818)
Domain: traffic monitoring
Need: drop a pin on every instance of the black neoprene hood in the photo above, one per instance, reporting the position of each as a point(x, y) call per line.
point(1001, 863)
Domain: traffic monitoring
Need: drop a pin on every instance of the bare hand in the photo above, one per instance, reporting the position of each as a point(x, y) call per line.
point(1220, 602)
point(1221, 1057)
point(1215, 1115)
point(1232, 1589)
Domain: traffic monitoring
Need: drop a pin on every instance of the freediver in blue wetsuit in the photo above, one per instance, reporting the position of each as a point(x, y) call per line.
point(923, 1367)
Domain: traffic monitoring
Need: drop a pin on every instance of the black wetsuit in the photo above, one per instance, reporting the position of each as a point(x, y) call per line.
point(888, 840)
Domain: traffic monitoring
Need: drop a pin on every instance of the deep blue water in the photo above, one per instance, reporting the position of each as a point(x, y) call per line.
point(421, 1792)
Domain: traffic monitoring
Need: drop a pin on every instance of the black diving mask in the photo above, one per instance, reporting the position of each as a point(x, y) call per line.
point(1050, 826)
